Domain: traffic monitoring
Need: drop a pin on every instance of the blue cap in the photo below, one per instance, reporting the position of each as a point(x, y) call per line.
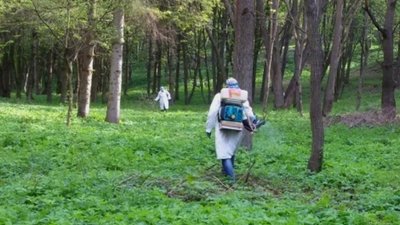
point(232, 83)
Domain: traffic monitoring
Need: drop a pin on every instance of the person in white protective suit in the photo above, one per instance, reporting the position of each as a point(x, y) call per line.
point(163, 97)
point(226, 141)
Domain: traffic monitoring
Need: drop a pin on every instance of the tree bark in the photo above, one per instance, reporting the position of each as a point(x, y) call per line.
point(127, 66)
point(35, 72)
point(30, 81)
point(207, 68)
point(149, 64)
point(299, 58)
point(219, 62)
point(86, 58)
point(269, 40)
point(185, 73)
point(96, 80)
point(5, 77)
point(178, 66)
point(18, 68)
point(243, 51)
point(334, 59)
point(70, 91)
point(114, 98)
point(314, 13)
point(388, 101)
point(170, 67)
point(49, 80)
point(157, 68)
point(277, 75)
point(364, 43)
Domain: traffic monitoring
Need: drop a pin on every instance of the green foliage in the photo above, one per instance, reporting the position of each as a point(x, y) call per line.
point(160, 168)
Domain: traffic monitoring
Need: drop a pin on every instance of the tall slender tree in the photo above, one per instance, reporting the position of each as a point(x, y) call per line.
point(314, 12)
point(268, 39)
point(365, 45)
point(388, 101)
point(334, 59)
point(244, 49)
point(86, 58)
point(114, 97)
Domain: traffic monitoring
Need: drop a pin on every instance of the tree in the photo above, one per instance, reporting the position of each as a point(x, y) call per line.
point(334, 59)
point(86, 58)
point(314, 11)
point(243, 50)
point(293, 93)
point(342, 41)
point(268, 40)
point(114, 97)
point(388, 101)
point(365, 44)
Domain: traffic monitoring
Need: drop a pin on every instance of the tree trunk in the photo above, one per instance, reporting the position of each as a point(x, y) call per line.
point(277, 75)
point(257, 47)
point(86, 58)
point(197, 37)
point(105, 78)
point(49, 80)
point(19, 78)
point(157, 67)
point(127, 67)
point(5, 78)
point(269, 40)
point(149, 64)
point(178, 66)
point(207, 69)
point(70, 90)
point(243, 52)
point(287, 33)
point(314, 13)
point(345, 65)
point(185, 73)
point(35, 72)
point(388, 101)
point(260, 13)
point(170, 67)
point(219, 62)
point(364, 43)
point(294, 90)
point(334, 59)
point(198, 63)
point(96, 79)
point(113, 105)
point(30, 81)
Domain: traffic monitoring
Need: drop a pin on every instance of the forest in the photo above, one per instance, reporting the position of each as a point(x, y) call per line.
point(83, 140)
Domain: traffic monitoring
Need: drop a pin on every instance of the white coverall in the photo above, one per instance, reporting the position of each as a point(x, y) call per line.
point(226, 141)
point(163, 96)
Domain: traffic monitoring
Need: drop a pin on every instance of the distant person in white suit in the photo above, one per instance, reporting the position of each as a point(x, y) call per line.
point(163, 97)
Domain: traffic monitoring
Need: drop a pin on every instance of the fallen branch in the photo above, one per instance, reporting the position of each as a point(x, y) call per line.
point(222, 183)
point(171, 190)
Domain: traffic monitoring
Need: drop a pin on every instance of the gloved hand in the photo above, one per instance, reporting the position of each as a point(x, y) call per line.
point(258, 123)
point(208, 134)
point(248, 125)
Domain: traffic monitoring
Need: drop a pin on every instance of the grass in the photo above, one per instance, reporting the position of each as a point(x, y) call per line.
point(160, 168)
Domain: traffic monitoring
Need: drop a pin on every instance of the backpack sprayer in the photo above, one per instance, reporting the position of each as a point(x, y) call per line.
point(231, 115)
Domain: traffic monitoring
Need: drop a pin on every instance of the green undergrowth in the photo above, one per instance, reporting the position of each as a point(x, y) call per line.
point(160, 168)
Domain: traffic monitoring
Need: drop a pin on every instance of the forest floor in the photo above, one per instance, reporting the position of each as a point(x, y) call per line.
point(160, 168)
point(370, 118)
